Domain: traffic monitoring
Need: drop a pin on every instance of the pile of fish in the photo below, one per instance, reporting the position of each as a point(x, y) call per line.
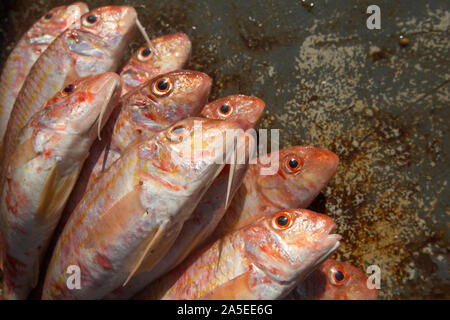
point(96, 182)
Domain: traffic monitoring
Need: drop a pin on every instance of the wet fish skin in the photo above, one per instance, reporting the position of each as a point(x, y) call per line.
point(259, 261)
point(140, 115)
point(131, 215)
point(172, 53)
point(79, 52)
point(28, 49)
point(324, 284)
point(42, 170)
point(246, 111)
point(266, 194)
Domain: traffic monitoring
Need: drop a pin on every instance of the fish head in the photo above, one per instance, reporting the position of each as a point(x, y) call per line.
point(302, 172)
point(110, 23)
point(191, 153)
point(246, 110)
point(82, 107)
point(291, 243)
point(55, 21)
point(100, 41)
point(171, 53)
point(344, 282)
point(164, 100)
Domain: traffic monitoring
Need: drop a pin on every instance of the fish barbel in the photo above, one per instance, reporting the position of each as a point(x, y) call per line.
point(263, 260)
point(246, 111)
point(130, 217)
point(42, 170)
point(302, 172)
point(334, 280)
point(171, 53)
point(32, 44)
point(141, 114)
point(95, 47)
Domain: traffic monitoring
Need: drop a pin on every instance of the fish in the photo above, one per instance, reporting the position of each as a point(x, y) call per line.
point(303, 171)
point(264, 260)
point(170, 52)
point(246, 111)
point(28, 49)
point(130, 217)
point(42, 170)
point(141, 114)
point(95, 47)
point(334, 280)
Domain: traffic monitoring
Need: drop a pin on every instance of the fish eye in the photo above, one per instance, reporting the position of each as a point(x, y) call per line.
point(144, 54)
point(225, 110)
point(48, 16)
point(293, 165)
point(338, 276)
point(282, 220)
point(162, 86)
point(177, 133)
point(68, 89)
point(90, 20)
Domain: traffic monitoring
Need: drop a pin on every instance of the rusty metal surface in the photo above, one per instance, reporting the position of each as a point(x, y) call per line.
point(328, 81)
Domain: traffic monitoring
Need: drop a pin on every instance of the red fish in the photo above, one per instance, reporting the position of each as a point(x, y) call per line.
point(42, 170)
point(263, 260)
point(302, 173)
point(335, 280)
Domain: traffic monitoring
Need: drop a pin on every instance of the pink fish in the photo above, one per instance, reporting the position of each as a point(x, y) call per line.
point(246, 111)
point(263, 260)
point(302, 173)
point(171, 53)
point(27, 51)
point(42, 170)
point(335, 280)
point(130, 217)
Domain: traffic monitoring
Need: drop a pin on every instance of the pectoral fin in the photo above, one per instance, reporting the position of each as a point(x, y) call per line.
point(55, 193)
point(153, 252)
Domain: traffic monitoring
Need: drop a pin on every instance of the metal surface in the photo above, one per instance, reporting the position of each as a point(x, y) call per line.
point(328, 81)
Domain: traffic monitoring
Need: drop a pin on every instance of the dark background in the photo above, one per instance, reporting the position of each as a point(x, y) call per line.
point(328, 81)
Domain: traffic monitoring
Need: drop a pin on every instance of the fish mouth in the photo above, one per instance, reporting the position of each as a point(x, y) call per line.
point(332, 241)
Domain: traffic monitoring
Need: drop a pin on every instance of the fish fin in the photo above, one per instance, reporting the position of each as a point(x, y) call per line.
point(35, 279)
point(140, 264)
point(193, 244)
point(55, 193)
point(236, 288)
point(231, 173)
point(221, 241)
